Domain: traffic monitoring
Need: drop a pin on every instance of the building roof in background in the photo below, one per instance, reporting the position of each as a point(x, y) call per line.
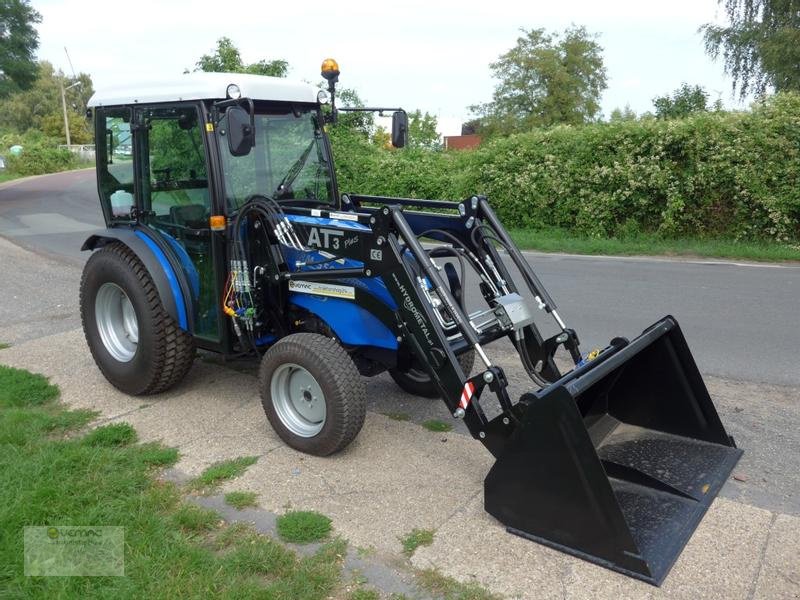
point(462, 142)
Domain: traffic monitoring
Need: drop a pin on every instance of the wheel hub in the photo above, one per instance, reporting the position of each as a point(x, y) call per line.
point(298, 400)
point(116, 322)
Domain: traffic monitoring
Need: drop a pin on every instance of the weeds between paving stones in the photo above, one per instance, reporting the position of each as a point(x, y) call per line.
point(415, 539)
point(440, 586)
point(303, 527)
point(240, 500)
point(399, 416)
point(222, 471)
point(437, 425)
point(362, 594)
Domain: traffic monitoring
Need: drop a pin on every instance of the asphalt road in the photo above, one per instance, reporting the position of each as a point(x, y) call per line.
point(51, 215)
point(742, 320)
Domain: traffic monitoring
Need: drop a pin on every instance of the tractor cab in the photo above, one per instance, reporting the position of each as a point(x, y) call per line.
point(176, 161)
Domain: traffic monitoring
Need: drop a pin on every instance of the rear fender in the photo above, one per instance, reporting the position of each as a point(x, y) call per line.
point(162, 265)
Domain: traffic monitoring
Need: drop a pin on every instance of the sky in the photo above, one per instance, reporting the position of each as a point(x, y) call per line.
point(420, 54)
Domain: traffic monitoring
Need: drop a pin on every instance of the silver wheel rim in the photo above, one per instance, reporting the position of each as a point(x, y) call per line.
point(298, 400)
point(116, 322)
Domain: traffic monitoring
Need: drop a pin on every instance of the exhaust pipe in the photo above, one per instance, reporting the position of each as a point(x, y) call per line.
point(617, 461)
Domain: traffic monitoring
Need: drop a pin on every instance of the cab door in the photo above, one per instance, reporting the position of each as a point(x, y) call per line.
point(115, 173)
point(175, 197)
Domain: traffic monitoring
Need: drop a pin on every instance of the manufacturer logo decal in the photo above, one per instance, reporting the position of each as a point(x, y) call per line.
point(323, 289)
point(343, 216)
point(409, 305)
point(324, 238)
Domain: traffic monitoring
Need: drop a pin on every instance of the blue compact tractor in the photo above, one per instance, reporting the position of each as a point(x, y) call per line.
point(225, 231)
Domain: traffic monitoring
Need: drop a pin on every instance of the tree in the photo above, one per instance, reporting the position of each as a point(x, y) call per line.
point(381, 137)
point(546, 79)
point(227, 59)
point(361, 124)
point(18, 43)
point(622, 114)
point(470, 127)
point(39, 108)
point(760, 45)
point(422, 131)
point(684, 101)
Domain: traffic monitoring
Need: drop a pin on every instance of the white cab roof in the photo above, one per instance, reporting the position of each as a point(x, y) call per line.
point(206, 86)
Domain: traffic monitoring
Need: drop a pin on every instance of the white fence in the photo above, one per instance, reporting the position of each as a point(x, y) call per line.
point(84, 151)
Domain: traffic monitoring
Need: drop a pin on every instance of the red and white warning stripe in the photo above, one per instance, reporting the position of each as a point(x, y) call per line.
point(466, 395)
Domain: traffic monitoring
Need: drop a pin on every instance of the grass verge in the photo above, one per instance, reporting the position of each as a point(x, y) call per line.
point(415, 539)
point(303, 527)
point(8, 177)
point(3, 345)
point(52, 475)
point(562, 240)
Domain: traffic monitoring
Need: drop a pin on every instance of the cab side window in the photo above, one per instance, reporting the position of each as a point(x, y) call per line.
point(174, 174)
point(115, 163)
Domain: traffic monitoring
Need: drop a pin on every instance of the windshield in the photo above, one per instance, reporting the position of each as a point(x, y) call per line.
point(288, 162)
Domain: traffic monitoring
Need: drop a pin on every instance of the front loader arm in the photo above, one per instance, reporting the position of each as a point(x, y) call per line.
point(417, 324)
point(430, 322)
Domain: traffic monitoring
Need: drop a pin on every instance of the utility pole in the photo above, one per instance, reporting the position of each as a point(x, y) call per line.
point(64, 105)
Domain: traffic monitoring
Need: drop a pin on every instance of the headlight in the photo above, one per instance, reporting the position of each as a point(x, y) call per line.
point(233, 92)
point(323, 97)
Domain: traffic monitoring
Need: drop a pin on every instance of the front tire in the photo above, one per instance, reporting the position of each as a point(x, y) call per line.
point(312, 393)
point(417, 382)
point(137, 346)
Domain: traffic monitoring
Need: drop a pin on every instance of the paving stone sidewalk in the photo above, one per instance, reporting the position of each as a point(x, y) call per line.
point(398, 476)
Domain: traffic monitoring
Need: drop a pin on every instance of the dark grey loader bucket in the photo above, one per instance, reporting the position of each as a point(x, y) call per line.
point(618, 461)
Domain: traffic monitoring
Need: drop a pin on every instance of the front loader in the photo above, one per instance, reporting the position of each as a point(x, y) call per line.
point(226, 231)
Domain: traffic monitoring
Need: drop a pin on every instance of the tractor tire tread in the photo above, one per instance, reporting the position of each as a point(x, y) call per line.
point(338, 373)
point(174, 350)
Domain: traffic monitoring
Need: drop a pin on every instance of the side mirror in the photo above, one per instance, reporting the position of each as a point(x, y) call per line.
point(241, 133)
point(399, 128)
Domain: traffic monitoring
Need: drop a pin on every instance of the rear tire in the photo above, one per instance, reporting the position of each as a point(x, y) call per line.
point(312, 393)
point(416, 381)
point(137, 346)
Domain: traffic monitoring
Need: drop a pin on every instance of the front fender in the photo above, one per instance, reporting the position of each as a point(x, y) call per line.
point(353, 325)
point(162, 265)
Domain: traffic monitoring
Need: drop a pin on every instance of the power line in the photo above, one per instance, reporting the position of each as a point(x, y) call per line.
point(70, 62)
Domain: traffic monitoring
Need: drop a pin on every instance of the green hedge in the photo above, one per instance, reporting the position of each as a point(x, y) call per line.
point(711, 175)
point(40, 159)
